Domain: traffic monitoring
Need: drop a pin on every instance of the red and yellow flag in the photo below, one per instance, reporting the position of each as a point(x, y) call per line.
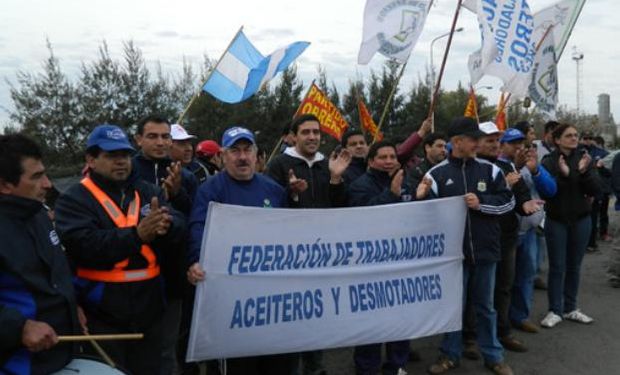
point(471, 110)
point(367, 122)
point(317, 103)
point(500, 118)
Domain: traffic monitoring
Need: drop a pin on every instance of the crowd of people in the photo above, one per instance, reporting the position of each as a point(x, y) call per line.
point(118, 252)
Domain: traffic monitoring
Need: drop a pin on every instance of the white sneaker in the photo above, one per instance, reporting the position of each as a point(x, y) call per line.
point(578, 316)
point(401, 372)
point(551, 320)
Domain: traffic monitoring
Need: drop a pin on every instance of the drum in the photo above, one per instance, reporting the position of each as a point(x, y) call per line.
point(89, 366)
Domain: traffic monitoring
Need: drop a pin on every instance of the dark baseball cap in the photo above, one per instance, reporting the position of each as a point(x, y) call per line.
point(466, 126)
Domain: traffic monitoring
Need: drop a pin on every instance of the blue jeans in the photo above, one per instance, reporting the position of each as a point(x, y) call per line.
point(481, 281)
point(566, 245)
point(525, 272)
point(368, 358)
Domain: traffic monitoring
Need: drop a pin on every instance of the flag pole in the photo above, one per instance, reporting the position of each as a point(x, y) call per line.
point(277, 147)
point(389, 99)
point(195, 96)
point(443, 63)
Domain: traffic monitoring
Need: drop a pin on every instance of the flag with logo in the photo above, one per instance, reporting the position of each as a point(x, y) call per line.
point(317, 103)
point(392, 28)
point(367, 123)
point(562, 16)
point(243, 70)
point(544, 85)
point(471, 110)
point(500, 117)
point(507, 47)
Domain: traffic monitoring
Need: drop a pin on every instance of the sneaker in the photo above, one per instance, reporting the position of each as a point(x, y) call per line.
point(499, 368)
point(471, 351)
point(512, 344)
point(551, 320)
point(527, 326)
point(578, 316)
point(442, 365)
point(401, 372)
point(592, 249)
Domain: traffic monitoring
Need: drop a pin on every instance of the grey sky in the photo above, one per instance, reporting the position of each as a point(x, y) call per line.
point(169, 31)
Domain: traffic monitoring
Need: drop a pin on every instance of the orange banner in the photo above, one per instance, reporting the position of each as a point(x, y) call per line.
point(367, 122)
point(317, 103)
point(500, 118)
point(472, 107)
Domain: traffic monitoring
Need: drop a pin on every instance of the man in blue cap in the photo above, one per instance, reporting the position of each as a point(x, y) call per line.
point(237, 184)
point(115, 228)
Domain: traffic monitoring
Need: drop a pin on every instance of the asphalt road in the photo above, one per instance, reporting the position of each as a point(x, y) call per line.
point(568, 348)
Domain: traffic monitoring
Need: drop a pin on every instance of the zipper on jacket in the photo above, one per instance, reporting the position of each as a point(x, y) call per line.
point(156, 178)
point(471, 241)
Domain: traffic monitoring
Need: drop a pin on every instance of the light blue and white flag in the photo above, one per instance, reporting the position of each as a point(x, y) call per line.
point(242, 70)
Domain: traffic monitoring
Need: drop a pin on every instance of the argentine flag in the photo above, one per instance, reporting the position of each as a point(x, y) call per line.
point(243, 70)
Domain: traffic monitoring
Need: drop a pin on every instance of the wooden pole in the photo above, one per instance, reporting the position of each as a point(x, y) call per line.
point(180, 120)
point(443, 63)
point(389, 99)
point(112, 337)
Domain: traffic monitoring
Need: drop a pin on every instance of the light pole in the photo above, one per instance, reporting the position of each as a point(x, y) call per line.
point(432, 88)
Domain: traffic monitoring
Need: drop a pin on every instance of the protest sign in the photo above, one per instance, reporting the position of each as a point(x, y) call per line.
point(290, 280)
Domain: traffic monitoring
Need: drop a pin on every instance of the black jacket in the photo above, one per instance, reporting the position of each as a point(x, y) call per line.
point(320, 193)
point(357, 168)
point(93, 241)
point(570, 203)
point(373, 188)
point(416, 173)
point(35, 283)
point(454, 177)
point(153, 171)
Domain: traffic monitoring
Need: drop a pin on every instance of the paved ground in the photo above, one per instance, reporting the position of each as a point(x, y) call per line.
point(569, 348)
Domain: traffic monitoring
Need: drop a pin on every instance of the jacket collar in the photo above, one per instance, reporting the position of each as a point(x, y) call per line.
point(380, 175)
point(19, 207)
point(292, 152)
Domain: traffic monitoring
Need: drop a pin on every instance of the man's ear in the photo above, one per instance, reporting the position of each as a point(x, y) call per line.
point(6, 187)
point(138, 139)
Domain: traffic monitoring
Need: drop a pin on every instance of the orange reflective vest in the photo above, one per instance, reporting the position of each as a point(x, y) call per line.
point(119, 274)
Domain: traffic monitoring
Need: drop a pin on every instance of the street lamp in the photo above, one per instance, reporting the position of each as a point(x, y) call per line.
point(432, 90)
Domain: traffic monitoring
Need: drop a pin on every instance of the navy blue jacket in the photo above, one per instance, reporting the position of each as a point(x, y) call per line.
point(153, 171)
point(454, 177)
point(260, 191)
point(357, 168)
point(93, 241)
point(35, 283)
point(373, 188)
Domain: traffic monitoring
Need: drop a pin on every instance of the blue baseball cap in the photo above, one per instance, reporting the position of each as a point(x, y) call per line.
point(108, 138)
point(512, 135)
point(236, 133)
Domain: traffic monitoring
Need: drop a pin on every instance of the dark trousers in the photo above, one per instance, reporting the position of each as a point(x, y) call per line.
point(504, 279)
point(139, 357)
point(368, 358)
point(278, 364)
point(603, 227)
point(596, 207)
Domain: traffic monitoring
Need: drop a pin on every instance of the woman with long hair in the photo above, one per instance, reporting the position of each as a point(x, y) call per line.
point(568, 223)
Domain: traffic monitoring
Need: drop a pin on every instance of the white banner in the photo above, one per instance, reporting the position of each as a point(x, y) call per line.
point(562, 16)
point(290, 280)
point(544, 86)
point(508, 48)
point(392, 28)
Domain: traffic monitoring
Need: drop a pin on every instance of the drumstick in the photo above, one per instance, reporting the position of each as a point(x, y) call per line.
point(103, 354)
point(119, 336)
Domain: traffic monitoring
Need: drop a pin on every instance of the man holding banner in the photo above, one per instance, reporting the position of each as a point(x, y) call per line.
point(487, 197)
point(381, 184)
point(239, 184)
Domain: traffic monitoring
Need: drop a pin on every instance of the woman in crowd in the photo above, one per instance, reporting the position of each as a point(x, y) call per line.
point(568, 223)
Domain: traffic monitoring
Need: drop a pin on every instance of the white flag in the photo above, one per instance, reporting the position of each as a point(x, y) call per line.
point(508, 48)
point(392, 28)
point(544, 86)
point(562, 16)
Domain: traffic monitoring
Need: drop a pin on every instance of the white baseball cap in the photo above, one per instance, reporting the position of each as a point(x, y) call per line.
point(489, 128)
point(178, 133)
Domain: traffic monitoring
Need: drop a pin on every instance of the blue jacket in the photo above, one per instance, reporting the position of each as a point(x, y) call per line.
point(93, 241)
point(373, 188)
point(153, 171)
point(454, 177)
point(35, 283)
point(260, 191)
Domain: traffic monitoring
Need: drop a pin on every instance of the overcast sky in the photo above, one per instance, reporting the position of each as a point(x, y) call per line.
point(168, 31)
